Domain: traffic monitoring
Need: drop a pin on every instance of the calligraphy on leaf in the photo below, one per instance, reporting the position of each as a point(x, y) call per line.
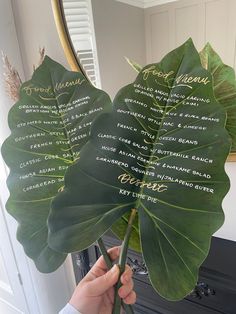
point(224, 86)
point(162, 151)
point(49, 126)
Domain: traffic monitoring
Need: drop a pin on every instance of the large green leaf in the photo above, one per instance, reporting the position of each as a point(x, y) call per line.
point(162, 151)
point(224, 85)
point(49, 125)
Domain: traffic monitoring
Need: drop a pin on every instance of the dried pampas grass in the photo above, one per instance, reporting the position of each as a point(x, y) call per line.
point(13, 80)
point(41, 57)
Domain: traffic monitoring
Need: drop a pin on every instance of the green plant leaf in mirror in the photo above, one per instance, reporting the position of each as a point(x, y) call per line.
point(49, 125)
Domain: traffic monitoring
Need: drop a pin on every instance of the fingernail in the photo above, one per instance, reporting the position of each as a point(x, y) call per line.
point(114, 269)
point(125, 279)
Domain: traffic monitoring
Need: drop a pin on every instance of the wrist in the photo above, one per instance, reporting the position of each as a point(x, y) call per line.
point(76, 306)
point(69, 309)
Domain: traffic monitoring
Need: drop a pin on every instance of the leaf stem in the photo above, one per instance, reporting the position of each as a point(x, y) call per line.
point(104, 253)
point(128, 308)
point(122, 262)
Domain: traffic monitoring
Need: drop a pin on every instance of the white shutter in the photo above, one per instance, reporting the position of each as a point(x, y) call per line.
point(78, 14)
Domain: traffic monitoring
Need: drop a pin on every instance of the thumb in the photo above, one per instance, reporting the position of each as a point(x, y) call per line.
point(101, 284)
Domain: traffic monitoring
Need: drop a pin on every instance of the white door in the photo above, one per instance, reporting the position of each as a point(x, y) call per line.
point(12, 298)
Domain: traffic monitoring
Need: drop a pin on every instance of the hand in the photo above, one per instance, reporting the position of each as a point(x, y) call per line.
point(95, 292)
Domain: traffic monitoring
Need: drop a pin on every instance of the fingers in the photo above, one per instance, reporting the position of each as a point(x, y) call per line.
point(101, 284)
point(100, 267)
point(131, 298)
point(126, 291)
point(127, 275)
point(114, 252)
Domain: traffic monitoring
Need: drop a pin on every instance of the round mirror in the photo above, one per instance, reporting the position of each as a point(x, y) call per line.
point(102, 35)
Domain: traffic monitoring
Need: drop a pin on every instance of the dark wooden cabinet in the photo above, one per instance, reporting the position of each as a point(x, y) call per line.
point(214, 294)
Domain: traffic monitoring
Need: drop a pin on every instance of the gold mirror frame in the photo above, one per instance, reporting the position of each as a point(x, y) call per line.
point(60, 21)
point(57, 7)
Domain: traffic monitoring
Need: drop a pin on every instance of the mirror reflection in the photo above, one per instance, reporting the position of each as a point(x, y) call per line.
point(104, 32)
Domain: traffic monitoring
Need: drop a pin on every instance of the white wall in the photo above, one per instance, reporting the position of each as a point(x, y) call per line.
point(8, 45)
point(146, 35)
point(170, 25)
point(228, 230)
point(36, 28)
point(120, 33)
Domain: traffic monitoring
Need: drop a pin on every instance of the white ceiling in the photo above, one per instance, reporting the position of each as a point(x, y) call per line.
point(145, 3)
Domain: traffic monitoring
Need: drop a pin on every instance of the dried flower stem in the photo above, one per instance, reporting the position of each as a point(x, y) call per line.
point(41, 57)
point(13, 81)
